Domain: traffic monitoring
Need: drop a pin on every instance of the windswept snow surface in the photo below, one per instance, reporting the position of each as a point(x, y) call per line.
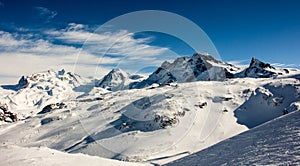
point(274, 143)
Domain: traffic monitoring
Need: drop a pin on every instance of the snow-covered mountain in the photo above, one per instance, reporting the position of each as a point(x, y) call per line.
point(203, 67)
point(199, 67)
point(258, 69)
point(118, 79)
point(122, 118)
point(34, 92)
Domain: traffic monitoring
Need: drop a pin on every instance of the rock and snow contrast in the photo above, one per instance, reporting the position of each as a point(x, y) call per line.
point(183, 107)
point(199, 67)
point(118, 79)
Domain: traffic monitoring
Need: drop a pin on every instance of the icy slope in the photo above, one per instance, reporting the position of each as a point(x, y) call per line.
point(274, 143)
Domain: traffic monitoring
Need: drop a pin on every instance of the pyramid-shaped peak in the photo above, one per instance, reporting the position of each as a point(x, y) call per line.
point(117, 79)
point(259, 64)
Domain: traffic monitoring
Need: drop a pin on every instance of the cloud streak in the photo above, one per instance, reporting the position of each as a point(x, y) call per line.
point(240, 63)
point(46, 13)
point(115, 43)
point(121, 45)
point(281, 65)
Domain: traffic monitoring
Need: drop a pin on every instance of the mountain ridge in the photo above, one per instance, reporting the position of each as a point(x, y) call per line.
point(198, 67)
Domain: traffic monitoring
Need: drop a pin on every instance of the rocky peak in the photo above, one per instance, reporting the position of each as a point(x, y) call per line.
point(117, 79)
point(259, 69)
point(198, 67)
point(259, 64)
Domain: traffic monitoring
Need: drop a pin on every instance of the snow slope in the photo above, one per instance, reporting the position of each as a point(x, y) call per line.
point(274, 143)
point(20, 156)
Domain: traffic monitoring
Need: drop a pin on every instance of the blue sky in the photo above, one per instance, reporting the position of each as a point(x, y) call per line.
point(268, 30)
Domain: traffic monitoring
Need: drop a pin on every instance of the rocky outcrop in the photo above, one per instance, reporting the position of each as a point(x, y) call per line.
point(6, 115)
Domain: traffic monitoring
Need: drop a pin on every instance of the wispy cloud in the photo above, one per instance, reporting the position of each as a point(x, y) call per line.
point(281, 65)
point(240, 63)
point(1, 4)
point(45, 13)
point(120, 45)
point(7, 40)
point(116, 43)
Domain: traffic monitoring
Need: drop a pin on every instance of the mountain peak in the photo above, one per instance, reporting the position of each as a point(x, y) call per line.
point(259, 69)
point(198, 67)
point(117, 79)
point(37, 79)
point(257, 63)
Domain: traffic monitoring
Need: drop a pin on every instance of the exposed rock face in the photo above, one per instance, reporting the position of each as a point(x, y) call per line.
point(23, 83)
point(6, 115)
point(258, 69)
point(50, 107)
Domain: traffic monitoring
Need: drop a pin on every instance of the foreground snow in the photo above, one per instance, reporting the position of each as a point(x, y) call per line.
point(20, 156)
point(274, 143)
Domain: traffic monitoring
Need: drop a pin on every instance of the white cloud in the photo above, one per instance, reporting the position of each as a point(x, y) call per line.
point(25, 54)
point(8, 40)
point(24, 57)
point(281, 65)
point(115, 43)
point(240, 63)
point(46, 13)
point(18, 64)
point(120, 45)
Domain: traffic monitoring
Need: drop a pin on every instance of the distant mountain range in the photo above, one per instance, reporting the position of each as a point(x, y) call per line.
point(199, 67)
